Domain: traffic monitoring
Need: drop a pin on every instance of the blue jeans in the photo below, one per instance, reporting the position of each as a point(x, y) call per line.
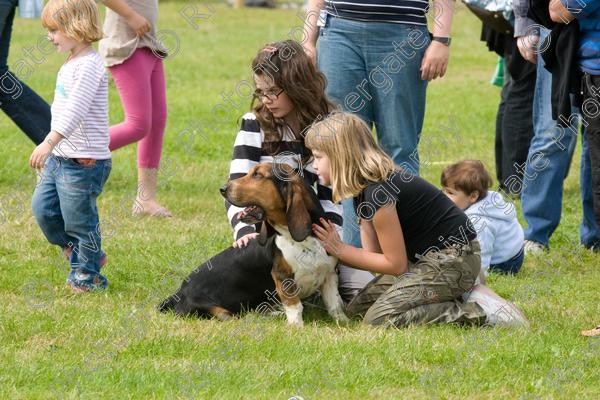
point(64, 205)
point(372, 70)
point(28, 111)
point(511, 266)
point(550, 154)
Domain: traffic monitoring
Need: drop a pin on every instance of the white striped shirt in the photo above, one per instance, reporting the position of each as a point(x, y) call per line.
point(80, 109)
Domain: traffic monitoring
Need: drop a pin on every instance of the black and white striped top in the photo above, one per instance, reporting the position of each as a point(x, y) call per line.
point(395, 11)
point(250, 149)
point(80, 109)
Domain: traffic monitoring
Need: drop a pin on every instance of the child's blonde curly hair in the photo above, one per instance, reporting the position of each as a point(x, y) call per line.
point(77, 19)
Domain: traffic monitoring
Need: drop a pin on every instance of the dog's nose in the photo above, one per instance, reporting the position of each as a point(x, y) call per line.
point(223, 190)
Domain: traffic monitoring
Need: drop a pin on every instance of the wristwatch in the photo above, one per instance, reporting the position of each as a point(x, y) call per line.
point(443, 40)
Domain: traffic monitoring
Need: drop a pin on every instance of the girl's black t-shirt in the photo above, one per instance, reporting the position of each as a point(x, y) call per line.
point(429, 219)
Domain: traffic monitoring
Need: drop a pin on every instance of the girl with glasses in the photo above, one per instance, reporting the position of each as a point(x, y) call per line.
point(289, 97)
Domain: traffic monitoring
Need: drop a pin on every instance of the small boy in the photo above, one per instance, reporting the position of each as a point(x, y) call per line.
point(499, 233)
point(74, 156)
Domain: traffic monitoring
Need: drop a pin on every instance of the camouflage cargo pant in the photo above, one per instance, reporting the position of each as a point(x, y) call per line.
point(429, 292)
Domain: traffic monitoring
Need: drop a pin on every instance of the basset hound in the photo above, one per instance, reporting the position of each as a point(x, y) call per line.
point(279, 199)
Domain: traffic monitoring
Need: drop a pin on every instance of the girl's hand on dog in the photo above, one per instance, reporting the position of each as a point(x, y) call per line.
point(327, 234)
point(243, 241)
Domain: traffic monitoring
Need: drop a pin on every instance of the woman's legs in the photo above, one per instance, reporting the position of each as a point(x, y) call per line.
point(141, 85)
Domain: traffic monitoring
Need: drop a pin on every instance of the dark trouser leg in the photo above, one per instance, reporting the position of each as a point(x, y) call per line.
point(590, 109)
point(517, 128)
point(499, 118)
point(28, 111)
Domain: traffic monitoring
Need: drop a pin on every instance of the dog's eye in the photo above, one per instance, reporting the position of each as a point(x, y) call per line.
point(257, 175)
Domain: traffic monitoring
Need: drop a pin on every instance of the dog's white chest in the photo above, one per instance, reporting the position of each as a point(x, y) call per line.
point(309, 261)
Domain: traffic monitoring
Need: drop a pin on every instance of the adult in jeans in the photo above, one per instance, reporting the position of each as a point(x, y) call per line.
point(28, 111)
point(550, 152)
point(588, 53)
point(588, 17)
point(378, 58)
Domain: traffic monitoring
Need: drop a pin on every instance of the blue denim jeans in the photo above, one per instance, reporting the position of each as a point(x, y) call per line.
point(64, 205)
point(372, 70)
point(511, 266)
point(28, 111)
point(547, 165)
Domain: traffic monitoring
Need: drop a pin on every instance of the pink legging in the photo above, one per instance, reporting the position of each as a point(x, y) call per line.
point(140, 81)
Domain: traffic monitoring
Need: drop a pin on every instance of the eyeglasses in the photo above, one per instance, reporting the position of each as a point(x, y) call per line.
point(269, 95)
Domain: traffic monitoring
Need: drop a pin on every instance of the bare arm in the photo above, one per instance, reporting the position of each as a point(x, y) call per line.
point(368, 236)
point(392, 259)
point(136, 22)
point(437, 55)
point(38, 157)
point(313, 9)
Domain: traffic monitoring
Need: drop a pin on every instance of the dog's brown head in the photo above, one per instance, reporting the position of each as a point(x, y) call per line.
point(283, 195)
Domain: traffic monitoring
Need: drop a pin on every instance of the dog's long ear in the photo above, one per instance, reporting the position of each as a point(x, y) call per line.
point(298, 218)
point(266, 231)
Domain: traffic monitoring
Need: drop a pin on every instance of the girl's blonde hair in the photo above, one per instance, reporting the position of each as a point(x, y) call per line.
point(77, 19)
point(355, 158)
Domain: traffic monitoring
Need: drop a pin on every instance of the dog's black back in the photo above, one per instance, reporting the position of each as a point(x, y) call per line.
point(236, 279)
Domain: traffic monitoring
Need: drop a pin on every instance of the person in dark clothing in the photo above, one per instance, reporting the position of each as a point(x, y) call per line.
point(19, 102)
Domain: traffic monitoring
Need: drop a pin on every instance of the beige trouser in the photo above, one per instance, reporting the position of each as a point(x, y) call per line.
point(430, 292)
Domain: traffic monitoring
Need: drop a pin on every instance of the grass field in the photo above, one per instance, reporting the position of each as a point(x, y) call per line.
point(114, 345)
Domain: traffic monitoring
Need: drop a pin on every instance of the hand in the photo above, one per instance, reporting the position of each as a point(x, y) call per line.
point(330, 239)
point(138, 24)
point(38, 157)
point(435, 61)
point(311, 51)
point(243, 241)
point(527, 46)
point(559, 13)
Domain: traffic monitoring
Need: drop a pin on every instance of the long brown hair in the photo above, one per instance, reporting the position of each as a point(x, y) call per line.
point(290, 69)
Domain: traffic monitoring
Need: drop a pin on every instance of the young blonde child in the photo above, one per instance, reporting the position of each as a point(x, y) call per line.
point(423, 246)
point(499, 233)
point(74, 156)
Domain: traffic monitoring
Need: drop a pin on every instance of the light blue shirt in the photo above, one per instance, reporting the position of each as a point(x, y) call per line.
point(30, 8)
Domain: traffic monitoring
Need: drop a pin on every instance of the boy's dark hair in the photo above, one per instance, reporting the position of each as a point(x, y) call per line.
point(290, 68)
point(467, 176)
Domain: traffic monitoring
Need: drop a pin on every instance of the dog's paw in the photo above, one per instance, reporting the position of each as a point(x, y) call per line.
point(342, 319)
point(296, 324)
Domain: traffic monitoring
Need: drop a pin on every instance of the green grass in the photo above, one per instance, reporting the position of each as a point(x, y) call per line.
point(113, 345)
